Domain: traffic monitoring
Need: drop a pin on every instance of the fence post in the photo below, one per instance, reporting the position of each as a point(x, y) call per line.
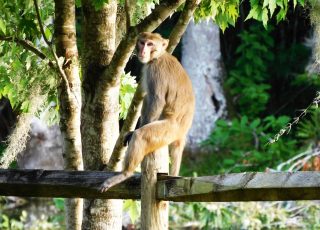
point(154, 213)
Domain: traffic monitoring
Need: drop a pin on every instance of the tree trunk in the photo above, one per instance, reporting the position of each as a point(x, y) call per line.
point(69, 92)
point(100, 111)
point(314, 66)
point(201, 57)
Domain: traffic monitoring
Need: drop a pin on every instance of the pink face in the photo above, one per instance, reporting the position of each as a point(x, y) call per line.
point(145, 48)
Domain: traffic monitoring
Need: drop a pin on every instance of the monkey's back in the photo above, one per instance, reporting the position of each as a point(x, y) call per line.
point(170, 82)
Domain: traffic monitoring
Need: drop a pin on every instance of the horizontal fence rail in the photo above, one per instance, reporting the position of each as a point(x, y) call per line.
point(230, 187)
point(243, 187)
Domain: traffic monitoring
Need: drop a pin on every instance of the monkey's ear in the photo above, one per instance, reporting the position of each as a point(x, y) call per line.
point(165, 43)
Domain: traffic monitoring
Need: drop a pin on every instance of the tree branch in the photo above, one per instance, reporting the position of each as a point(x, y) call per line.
point(28, 46)
point(182, 24)
point(40, 23)
point(127, 10)
point(59, 67)
point(160, 13)
point(129, 125)
point(122, 27)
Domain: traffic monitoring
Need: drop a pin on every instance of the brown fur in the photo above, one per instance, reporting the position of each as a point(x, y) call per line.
point(167, 109)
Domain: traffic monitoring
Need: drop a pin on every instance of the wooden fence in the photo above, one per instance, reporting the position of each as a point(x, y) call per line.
point(154, 215)
point(274, 186)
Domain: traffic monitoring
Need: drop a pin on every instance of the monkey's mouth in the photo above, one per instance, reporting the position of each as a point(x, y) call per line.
point(143, 59)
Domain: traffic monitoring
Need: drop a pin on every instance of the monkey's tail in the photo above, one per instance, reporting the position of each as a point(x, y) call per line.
point(110, 182)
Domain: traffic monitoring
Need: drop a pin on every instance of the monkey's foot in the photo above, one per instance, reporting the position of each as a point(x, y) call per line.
point(108, 183)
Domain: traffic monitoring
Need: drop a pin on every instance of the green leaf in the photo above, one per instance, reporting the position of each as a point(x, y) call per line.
point(255, 123)
point(29, 4)
point(229, 162)
point(280, 3)
point(281, 15)
point(28, 62)
point(252, 14)
point(272, 6)
point(59, 203)
point(98, 4)
point(265, 17)
point(233, 12)
point(265, 3)
point(133, 208)
point(255, 13)
point(25, 106)
point(48, 33)
point(78, 3)
point(244, 121)
point(2, 26)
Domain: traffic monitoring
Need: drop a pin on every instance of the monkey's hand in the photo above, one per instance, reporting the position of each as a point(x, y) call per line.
point(127, 138)
point(110, 182)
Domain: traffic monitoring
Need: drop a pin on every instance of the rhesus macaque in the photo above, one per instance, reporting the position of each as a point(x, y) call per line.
point(167, 110)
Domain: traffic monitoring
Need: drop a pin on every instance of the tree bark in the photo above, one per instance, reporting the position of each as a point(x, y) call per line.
point(100, 111)
point(201, 57)
point(314, 66)
point(70, 100)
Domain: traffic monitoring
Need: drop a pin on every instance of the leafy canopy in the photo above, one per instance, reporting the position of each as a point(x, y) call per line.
point(226, 12)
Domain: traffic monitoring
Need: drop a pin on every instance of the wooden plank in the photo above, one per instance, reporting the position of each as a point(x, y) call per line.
point(242, 187)
point(59, 183)
point(230, 187)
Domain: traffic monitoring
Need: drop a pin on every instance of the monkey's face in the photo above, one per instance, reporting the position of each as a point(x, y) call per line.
point(145, 50)
point(150, 46)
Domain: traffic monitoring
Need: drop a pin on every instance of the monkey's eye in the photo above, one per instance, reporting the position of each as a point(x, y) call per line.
point(142, 43)
point(149, 44)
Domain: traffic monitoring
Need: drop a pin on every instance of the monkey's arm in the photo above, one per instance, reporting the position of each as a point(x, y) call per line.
point(152, 110)
point(154, 102)
point(114, 181)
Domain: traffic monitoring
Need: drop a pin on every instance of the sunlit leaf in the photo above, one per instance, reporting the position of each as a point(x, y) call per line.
point(265, 17)
point(272, 6)
point(133, 208)
point(2, 26)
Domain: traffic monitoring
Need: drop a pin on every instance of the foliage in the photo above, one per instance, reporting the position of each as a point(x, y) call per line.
point(133, 207)
point(20, 219)
point(246, 215)
point(308, 129)
point(128, 87)
point(224, 13)
point(264, 10)
point(308, 136)
point(19, 68)
point(248, 77)
point(7, 223)
point(59, 218)
point(241, 145)
point(17, 18)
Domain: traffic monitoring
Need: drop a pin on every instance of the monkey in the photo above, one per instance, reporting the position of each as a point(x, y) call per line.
point(167, 110)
